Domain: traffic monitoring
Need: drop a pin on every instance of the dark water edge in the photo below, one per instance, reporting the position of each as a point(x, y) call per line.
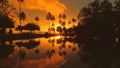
point(90, 54)
point(22, 36)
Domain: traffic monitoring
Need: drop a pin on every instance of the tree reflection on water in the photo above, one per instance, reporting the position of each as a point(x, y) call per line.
point(91, 53)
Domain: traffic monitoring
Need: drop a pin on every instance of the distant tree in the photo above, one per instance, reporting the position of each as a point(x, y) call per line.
point(69, 22)
point(6, 22)
point(19, 28)
point(37, 18)
point(64, 16)
point(59, 29)
point(31, 27)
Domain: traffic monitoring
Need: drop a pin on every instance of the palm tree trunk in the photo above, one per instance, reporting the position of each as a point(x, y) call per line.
point(19, 15)
point(49, 27)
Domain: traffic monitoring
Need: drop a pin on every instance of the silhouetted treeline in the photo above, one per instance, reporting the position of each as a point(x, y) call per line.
point(98, 34)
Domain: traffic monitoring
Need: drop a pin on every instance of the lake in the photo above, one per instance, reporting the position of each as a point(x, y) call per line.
point(53, 52)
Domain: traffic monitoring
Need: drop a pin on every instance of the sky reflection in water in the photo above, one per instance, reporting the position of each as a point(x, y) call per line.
point(53, 52)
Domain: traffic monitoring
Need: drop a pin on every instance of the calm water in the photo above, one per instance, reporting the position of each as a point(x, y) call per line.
point(53, 52)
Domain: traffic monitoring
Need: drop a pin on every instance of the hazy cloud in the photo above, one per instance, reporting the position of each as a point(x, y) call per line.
point(53, 6)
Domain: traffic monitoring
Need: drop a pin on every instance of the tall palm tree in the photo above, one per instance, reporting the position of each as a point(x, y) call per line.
point(53, 25)
point(22, 17)
point(62, 18)
point(20, 1)
point(50, 18)
point(62, 21)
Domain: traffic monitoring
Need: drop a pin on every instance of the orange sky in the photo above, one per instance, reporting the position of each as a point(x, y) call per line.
point(39, 8)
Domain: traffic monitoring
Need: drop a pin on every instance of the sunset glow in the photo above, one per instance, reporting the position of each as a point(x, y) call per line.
point(59, 33)
point(41, 7)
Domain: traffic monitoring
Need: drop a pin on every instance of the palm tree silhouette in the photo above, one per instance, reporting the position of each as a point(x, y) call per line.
point(20, 13)
point(22, 16)
point(50, 17)
point(37, 19)
point(59, 29)
point(62, 18)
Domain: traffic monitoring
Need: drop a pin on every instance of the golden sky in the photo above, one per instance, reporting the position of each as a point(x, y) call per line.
point(39, 8)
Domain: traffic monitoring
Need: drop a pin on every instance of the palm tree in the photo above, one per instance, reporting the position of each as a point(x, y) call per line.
point(6, 22)
point(22, 17)
point(20, 1)
point(50, 17)
point(62, 18)
point(62, 21)
point(59, 29)
point(37, 19)
point(53, 25)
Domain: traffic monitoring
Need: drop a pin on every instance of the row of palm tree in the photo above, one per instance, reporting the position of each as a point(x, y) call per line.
point(7, 22)
point(22, 16)
point(50, 18)
point(62, 21)
point(30, 27)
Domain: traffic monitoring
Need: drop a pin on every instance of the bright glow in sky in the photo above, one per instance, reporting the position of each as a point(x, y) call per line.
point(39, 8)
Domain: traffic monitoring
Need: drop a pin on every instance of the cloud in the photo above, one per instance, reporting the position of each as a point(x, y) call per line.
point(53, 6)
